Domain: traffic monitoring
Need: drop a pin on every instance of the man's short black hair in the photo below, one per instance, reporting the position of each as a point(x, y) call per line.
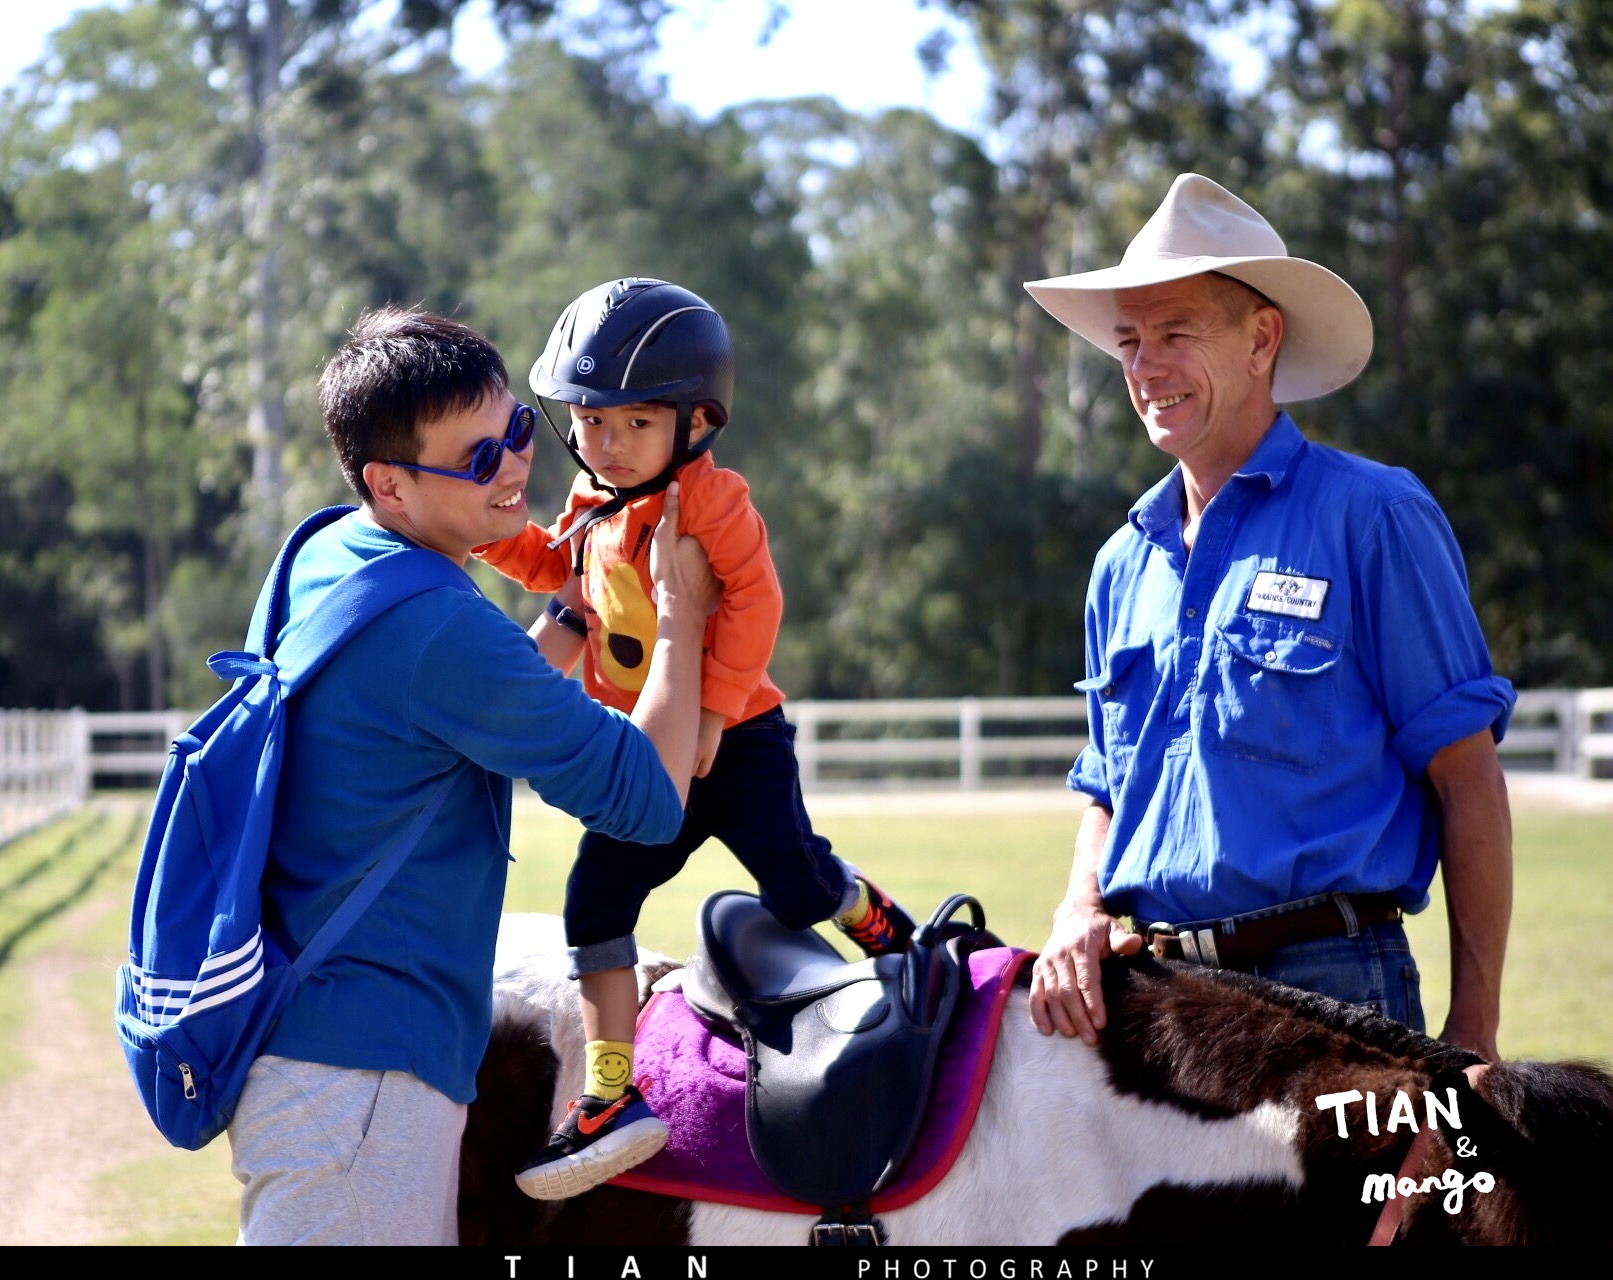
point(401, 369)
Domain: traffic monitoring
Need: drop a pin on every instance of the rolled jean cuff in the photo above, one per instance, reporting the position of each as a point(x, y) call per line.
point(596, 957)
point(852, 891)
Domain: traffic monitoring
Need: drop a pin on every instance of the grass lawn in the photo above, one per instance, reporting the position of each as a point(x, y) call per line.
point(1017, 864)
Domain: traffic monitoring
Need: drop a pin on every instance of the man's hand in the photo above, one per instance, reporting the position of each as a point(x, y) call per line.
point(678, 566)
point(1066, 980)
point(668, 707)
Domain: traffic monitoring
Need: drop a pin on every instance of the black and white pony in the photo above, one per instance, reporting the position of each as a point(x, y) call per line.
point(1217, 1110)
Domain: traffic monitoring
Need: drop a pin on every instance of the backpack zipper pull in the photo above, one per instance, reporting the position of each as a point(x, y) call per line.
point(190, 1081)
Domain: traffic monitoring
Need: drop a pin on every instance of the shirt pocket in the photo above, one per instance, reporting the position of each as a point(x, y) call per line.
point(1275, 683)
point(1124, 690)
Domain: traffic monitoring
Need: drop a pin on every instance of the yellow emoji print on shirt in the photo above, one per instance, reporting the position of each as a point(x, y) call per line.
point(626, 629)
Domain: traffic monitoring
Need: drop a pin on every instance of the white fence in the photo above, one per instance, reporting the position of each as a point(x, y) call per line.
point(44, 767)
point(981, 742)
point(50, 760)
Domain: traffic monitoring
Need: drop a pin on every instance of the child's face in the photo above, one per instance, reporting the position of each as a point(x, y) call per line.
point(631, 444)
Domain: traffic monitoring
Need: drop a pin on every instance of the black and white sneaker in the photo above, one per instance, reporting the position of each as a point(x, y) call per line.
point(596, 1141)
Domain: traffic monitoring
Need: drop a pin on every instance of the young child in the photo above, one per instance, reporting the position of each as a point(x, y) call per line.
point(646, 370)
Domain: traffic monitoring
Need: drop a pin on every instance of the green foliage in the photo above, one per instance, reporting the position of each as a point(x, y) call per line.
point(196, 204)
point(1466, 196)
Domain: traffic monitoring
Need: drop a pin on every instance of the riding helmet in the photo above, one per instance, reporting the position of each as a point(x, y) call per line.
point(638, 339)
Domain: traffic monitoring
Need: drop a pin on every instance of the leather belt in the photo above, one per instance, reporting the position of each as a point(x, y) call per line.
point(1242, 942)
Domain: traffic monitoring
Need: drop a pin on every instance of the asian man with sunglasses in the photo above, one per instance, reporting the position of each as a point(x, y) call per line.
point(348, 1130)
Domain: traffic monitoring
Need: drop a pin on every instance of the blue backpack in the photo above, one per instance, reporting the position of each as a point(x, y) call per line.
point(205, 983)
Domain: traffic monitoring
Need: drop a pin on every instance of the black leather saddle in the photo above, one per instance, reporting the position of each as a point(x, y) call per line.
point(839, 1054)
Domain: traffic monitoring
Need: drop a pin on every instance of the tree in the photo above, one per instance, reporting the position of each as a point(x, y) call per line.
point(1464, 191)
point(88, 267)
point(264, 50)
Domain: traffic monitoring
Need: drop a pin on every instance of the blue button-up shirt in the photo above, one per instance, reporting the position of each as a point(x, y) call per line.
point(1264, 710)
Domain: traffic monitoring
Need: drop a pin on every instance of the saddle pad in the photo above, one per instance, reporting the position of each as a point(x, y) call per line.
point(699, 1090)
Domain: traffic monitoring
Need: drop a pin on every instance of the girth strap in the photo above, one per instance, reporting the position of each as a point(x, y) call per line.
point(850, 1224)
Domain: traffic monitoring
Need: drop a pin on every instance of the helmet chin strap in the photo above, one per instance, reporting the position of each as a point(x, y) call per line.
point(682, 452)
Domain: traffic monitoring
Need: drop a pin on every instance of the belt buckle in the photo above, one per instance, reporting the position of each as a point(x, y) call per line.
point(1198, 945)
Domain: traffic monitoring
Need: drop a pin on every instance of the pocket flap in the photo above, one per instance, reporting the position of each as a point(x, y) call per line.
point(1278, 644)
point(1115, 666)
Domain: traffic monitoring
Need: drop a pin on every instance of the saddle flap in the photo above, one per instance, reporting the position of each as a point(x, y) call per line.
point(839, 1054)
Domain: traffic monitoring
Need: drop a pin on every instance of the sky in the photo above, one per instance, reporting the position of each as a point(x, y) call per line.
point(860, 52)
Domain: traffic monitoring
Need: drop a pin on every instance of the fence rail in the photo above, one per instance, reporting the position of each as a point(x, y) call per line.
point(49, 760)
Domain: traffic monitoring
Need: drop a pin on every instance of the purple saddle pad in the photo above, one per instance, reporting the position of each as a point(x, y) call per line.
point(695, 1081)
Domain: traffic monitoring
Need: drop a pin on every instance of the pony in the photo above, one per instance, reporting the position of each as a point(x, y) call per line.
point(1216, 1109)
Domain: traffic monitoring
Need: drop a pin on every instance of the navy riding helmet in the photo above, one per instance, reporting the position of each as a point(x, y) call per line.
point(639, 340)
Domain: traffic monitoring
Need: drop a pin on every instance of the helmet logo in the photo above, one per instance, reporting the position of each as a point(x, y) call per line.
point(585, 364)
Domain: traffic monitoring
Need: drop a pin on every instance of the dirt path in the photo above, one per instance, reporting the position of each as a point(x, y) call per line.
point(74, 1115)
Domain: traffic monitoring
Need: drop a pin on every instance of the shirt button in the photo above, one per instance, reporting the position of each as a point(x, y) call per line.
point(1191, 611)
point(1271, 655)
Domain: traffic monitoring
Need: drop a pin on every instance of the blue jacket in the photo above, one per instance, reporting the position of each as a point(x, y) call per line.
point(443, 683)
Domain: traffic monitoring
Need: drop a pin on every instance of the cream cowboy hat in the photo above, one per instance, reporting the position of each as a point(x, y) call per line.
point(1200, 227)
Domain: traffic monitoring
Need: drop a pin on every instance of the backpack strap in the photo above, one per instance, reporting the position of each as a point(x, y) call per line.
point(367, 889)
point(352, 604)
point(356, 601)
point(347, 608)
point(270, 615)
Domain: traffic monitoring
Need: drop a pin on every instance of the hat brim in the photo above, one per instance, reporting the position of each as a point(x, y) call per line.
point(1327, 329)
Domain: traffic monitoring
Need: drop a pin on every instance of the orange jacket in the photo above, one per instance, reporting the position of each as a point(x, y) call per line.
point(617, 601)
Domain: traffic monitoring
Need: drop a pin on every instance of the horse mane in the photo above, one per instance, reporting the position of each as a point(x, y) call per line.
point(1363, 1025)
point(1217, 1042)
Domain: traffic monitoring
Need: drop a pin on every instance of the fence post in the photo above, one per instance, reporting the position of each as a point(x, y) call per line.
point(1569, 759)
point(969, 743)
point(807, 724)
point(79, 740)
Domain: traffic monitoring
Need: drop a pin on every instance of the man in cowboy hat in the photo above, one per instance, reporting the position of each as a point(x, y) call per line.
point(1293, 710)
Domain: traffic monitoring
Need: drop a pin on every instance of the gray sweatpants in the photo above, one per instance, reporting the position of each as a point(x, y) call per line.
point(332, 1155)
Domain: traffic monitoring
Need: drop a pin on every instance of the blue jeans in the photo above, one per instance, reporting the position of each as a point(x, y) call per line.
point(751, 802)
point(1374, 969)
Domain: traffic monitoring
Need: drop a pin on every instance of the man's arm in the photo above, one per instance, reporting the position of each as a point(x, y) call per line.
point(668, 707)
point(1066, 982)
point(1476, 857)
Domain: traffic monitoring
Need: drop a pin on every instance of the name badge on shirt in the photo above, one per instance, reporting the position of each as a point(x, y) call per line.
point(1287, 594)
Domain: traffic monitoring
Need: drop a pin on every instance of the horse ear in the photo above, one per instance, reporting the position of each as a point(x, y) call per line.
point(649, 973)
point(1483, 1124)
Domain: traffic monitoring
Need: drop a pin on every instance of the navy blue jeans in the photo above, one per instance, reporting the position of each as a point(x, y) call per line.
point(751, 802)
point(1374, 969)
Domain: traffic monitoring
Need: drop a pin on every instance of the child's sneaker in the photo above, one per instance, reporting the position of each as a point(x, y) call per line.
point(886, 927)
point(596, 1141)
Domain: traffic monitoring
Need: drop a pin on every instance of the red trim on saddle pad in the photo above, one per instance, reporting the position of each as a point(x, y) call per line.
point(700, 1092)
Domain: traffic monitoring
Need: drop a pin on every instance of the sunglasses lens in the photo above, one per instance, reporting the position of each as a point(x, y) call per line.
point(485, 461)
point(521, 427)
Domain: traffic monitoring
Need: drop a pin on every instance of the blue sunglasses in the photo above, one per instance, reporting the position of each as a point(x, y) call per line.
point(489, 455)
